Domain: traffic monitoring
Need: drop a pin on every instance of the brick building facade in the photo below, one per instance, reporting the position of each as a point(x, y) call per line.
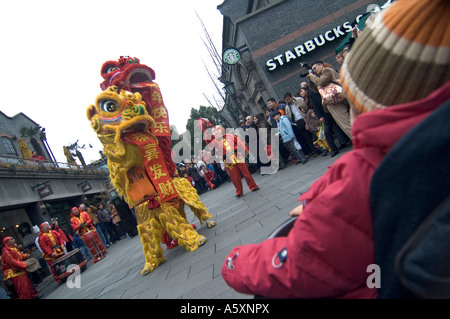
point(273, 37)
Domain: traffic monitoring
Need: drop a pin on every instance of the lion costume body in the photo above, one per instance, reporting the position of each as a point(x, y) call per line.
point(134, 130)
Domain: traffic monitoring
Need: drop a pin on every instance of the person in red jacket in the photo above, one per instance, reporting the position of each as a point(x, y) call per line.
point(81, 223)
point(232, 148)
point(13, 266)
point(209, 176)
point(330, 250)
point(52, 246)
point(36, 157)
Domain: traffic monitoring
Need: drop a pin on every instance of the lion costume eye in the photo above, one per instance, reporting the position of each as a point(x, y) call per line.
point(111, 69)
point(109, 106)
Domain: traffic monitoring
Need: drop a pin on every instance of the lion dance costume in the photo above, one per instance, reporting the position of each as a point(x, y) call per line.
point(132, 123)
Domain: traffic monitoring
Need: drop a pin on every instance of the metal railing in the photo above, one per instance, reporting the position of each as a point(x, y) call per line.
point(13, 162)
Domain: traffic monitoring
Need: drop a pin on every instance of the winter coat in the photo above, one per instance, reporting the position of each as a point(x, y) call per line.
point(313, 123)
point(115, 215)
point(413, 180)
point(300, 104)
point(194, 173)
point(104, 216)
point(209, 175)
point(285, 129)
point(263, 132)
point(330, 249)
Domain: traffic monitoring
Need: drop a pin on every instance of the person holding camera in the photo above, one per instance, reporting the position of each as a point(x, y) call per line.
point(322, 76)
point(309, 93)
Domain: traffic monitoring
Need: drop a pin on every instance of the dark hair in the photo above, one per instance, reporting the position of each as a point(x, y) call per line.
point(271, 100)
point(304, 87)
point(287, 94)
point(276, 113)
point(309, 103)
point(317, 62)
point(261, 119)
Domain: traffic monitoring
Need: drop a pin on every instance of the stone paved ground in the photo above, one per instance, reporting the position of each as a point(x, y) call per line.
point(197, 275)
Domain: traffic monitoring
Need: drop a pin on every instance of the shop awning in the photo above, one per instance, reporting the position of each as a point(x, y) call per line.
point(361, 26)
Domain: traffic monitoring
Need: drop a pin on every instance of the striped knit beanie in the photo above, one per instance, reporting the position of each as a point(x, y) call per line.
point(402, 57)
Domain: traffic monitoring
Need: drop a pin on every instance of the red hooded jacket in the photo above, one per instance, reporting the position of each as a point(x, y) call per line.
point(331, 243)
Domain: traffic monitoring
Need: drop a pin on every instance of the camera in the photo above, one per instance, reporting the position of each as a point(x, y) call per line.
point(305, 65)
point(303, 75)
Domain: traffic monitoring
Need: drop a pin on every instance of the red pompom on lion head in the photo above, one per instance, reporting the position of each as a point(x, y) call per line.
point(125, 73)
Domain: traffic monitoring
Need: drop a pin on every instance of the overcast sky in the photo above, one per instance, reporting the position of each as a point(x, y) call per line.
point(52, 52)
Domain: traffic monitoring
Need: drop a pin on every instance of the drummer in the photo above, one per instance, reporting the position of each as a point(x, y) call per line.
point(14, 268)
point(52, 246)
point(82, 224)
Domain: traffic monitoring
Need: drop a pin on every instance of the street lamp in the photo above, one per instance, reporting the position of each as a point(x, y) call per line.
point(230, 89)
point(231, 92)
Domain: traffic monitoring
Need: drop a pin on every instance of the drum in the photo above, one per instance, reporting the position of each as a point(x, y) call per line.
point(32, 264)
point(94, 244)
point(61, 265)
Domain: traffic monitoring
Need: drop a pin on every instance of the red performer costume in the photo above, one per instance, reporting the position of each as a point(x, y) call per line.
point(13, 266)
point(230, 145)
point(82, 223)
point(52, 246)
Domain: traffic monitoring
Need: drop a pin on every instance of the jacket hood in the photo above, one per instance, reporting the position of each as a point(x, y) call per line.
point(382, 128)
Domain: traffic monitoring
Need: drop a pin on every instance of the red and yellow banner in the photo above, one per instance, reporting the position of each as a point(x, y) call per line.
point(158, 111)
point(155, 177)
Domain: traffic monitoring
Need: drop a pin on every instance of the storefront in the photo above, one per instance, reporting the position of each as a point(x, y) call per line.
point(272, 37)
point(33, 196)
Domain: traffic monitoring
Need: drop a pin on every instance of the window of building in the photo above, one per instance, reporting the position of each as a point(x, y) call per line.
point(254, 5)
point(8, 145)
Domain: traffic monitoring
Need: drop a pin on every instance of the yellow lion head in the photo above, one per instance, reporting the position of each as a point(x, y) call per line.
point(112, 116)
point(115, 112)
